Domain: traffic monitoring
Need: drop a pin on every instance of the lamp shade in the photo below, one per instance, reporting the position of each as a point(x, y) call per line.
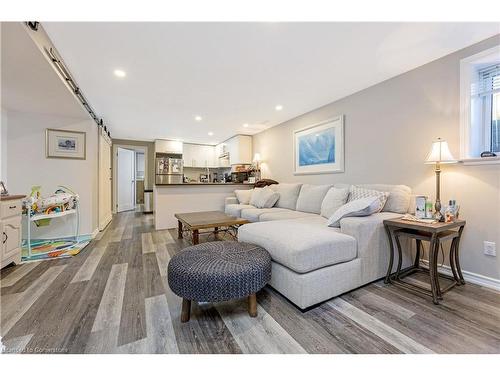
point(440, 153)
point(256, 157)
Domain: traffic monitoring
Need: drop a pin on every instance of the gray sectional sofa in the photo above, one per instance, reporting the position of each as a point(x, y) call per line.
point(311, 261)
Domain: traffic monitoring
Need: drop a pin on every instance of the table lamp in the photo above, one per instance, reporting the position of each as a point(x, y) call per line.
point(439, 154)
point(256, 160)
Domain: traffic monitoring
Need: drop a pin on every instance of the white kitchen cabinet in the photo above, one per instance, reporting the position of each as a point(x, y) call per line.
point(199, 156)
point(165, 146)
point(240, 149)
point(10, 229)
point(189, 155)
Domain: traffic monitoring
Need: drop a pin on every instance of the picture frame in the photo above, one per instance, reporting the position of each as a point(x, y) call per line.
point(319, 148)
point(65, 144)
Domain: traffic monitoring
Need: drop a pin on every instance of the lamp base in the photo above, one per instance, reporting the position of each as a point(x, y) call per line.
point(437, 211)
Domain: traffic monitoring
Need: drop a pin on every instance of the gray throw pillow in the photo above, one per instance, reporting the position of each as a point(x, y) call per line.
point(244, 196)
point(264, 198)
point(359, 207)
point(311, 197)
point(334, 199)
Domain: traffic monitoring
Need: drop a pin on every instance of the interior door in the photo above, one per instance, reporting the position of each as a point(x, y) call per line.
point(126, 179)
point(105, 179)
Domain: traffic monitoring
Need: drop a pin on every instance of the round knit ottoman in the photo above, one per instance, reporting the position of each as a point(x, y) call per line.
point(219, 271)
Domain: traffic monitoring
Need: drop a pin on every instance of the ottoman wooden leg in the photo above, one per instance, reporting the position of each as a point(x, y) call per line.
point(252, 305)
point(186, 310)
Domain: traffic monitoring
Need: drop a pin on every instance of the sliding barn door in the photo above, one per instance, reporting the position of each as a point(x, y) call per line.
point(105, 214)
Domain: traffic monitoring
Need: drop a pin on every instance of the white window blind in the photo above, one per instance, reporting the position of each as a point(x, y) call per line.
point(488, 81)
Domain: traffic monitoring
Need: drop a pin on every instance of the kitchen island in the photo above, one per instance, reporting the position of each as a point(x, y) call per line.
point(170, 199)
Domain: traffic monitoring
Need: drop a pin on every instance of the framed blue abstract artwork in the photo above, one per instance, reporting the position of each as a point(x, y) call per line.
point(319, 148)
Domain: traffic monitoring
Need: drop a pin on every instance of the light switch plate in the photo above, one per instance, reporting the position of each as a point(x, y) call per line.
point(490, 248)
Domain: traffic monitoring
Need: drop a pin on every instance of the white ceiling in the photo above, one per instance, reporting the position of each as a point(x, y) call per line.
point(29, 83)
point(236, 73)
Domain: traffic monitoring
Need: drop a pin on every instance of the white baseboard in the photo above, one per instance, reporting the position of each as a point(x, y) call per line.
point(94, 233)
point(470, 277)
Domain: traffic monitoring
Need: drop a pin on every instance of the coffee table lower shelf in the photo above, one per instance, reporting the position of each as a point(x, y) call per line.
point(207, 222)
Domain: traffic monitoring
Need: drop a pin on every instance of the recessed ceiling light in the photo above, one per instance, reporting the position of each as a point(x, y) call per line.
point(279, 107)
point(120, 73)
point(198, 118)
point(245, 125)
point(210, 133)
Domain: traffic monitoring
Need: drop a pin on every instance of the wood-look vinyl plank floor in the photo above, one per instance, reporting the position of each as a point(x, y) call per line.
point(114, 297)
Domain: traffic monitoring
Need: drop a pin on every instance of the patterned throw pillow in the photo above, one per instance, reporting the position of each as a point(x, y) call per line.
point(356, 192)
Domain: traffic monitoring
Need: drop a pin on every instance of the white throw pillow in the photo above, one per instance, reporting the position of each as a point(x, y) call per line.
point(359, 207)
point(334, 199)
point(244, 196)
point(356, 193)
point(264, 198)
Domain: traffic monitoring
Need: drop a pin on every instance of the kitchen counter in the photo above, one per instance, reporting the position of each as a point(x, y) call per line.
point(208, 184)
point(190, 197)
point(10, 197)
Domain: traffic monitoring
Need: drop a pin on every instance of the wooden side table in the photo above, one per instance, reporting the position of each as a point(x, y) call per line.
point(436, 234)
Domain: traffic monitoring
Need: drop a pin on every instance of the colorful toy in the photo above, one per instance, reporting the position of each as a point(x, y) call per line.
point(42, 210)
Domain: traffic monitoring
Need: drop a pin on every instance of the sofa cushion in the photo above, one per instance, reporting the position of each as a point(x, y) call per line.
point(302, 245)
point(289, 194)
point(235, 209)
point(311, 197)
point(264, 198)
point(359, 207)
point(253, 214)
point(244, 196)
point(356, 193)
point(334, 199)
point(284, 215)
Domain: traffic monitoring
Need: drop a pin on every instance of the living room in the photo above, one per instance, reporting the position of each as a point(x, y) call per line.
point(250, 187)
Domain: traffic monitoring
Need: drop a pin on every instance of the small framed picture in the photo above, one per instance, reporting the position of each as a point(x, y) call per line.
point(65, 144)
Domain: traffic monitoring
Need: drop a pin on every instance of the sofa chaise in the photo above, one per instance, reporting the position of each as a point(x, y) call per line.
point(312, 262)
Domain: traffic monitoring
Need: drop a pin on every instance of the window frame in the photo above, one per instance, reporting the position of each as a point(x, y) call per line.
point(468, 75)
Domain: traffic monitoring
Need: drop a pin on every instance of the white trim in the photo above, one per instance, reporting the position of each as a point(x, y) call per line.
point(481, 161)
point(94, 233)
point(466, 71)
point(471, 277)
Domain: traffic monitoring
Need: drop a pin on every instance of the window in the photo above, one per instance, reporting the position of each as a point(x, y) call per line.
point(480, 104)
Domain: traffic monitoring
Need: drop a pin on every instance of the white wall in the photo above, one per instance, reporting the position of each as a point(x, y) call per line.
point(28, 166)
point(389, 128)
point(3, 146)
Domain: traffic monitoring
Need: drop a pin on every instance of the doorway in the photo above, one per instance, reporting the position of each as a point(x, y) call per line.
point(125, 166)
point(128, 195)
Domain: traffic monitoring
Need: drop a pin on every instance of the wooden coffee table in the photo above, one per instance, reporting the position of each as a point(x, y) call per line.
point(195, 221)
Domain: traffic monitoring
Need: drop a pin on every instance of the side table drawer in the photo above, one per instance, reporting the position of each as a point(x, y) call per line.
point(10, 208)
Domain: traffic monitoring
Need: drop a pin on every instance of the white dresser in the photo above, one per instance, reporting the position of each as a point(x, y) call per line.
point(10, 229)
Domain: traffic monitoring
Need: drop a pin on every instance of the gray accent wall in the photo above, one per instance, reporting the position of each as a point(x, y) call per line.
point(389, 128)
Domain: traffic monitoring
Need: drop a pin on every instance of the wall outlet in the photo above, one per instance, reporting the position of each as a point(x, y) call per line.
point(490, 248)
